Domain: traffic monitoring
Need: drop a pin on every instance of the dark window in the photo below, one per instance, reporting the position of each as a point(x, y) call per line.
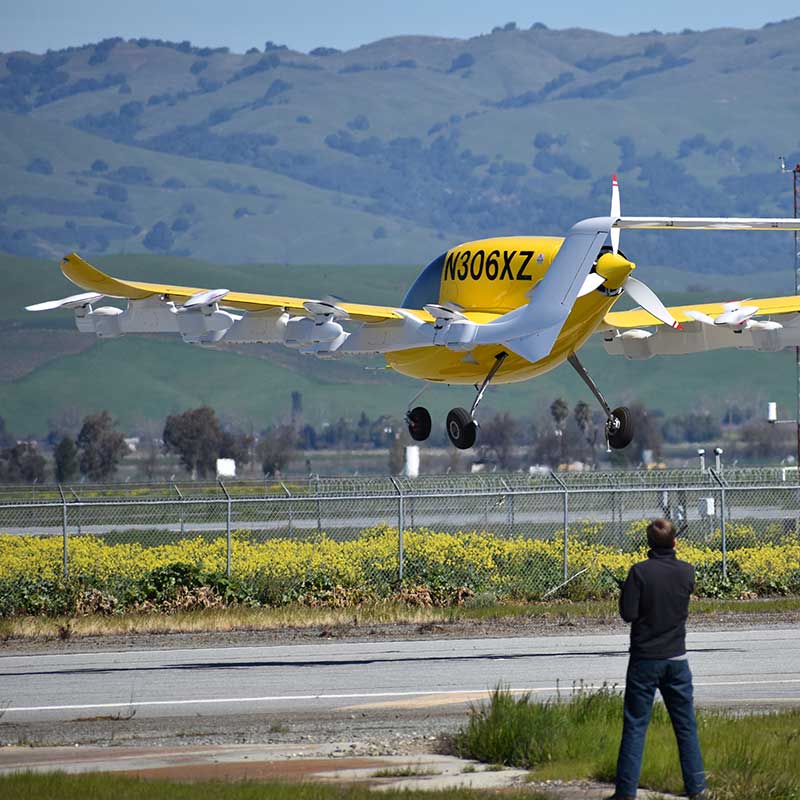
point(425, 288)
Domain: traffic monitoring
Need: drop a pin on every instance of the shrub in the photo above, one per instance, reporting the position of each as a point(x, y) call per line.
point(119, 194)
point(462, 61)
point(40, 166)
point(159, 237)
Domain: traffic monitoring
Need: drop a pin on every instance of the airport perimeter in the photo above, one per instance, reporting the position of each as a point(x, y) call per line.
point(544, 528)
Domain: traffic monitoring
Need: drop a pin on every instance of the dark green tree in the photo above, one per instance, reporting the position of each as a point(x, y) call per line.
point(498, 437)
point(559, 411)
point(101, 446)
point(583, 419)
point(66, 460)
point(22, 463)
point(6, 439)
point(197, 437)
point(276, 449)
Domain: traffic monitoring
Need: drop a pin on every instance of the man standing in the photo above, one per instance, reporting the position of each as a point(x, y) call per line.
point(655, 600)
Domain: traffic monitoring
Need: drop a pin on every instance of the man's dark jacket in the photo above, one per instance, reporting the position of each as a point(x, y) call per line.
point(655, 598)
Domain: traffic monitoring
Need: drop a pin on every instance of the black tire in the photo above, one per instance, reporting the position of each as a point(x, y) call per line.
point(461, 429)
point(620, 428)
point(419, 423)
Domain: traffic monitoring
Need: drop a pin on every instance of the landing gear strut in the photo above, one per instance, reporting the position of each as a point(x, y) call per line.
point(619, 422)
point(461, 425)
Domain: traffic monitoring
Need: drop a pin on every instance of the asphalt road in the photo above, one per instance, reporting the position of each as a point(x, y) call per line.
point(731, 667)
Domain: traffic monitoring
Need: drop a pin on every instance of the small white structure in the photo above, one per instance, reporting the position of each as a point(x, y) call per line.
point(707, 507)
point(412, 461)
point(226, 468)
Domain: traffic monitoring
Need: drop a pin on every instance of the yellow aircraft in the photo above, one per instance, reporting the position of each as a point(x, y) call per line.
point(497, 310)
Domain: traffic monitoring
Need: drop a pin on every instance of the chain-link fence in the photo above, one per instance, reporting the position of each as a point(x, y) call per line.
point(522, 534)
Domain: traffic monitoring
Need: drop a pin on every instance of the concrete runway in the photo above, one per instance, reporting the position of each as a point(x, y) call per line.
point(732, 667)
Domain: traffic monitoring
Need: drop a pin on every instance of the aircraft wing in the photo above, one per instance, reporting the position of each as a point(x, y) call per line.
point(768, 324)
point(92, 279)
point(317, 326)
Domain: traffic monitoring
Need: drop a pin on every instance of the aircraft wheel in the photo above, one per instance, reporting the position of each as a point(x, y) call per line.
point(620, 428)
point(419, 423)
point(461, 428)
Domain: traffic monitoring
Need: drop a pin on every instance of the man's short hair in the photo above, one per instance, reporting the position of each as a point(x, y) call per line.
point(661, 533)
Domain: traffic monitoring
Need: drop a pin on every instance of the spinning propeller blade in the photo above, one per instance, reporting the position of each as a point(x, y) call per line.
point(699, 316)
point(205, 298)
point(643, 295)
point(592, 282)
point(73, 301)
point(615, 214)
point(736, 316)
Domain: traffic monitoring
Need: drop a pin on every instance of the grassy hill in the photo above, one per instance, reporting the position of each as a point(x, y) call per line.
point(48, 369)
point(165, 161)
point(393, 151)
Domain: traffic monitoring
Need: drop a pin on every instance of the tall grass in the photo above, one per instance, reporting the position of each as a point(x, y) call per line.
point(746, 758)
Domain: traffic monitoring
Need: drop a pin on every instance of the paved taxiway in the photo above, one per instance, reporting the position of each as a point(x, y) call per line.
point(732, 667)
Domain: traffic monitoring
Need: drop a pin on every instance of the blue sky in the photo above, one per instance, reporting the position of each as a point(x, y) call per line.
point(37, 25)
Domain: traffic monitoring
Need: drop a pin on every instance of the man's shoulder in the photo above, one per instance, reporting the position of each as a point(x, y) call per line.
point(685, 565)
point(659, 563)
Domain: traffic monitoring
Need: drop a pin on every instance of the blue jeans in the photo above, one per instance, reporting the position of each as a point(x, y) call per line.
point(674, 680)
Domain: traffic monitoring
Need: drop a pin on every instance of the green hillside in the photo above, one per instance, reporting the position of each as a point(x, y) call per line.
point(47, 368)
point(395, 150)
point(163, 161)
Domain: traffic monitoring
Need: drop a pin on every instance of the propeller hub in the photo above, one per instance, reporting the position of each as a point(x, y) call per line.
point(615, 268)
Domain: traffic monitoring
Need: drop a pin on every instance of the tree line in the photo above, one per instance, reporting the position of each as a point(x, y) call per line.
point(93, 448)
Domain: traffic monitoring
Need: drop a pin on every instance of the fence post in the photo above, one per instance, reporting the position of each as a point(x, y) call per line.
point(401, 524)
point(175, 486)
point(722, 510)
point(64, 530)
point(289, 495)
point(566, 521)
point(510, 505)
point(319, 509)
point(78, 501)
point(227, 531)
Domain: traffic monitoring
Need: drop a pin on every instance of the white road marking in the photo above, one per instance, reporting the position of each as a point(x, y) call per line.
point(349, 696)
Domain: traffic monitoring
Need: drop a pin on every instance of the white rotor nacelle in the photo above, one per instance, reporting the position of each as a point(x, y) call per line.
point(734, 316)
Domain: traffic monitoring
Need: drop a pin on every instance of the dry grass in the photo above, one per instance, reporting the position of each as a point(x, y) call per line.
point(388, 613)
point(211, 620)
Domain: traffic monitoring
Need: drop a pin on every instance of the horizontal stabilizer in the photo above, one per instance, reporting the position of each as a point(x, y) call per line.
point(708, 223)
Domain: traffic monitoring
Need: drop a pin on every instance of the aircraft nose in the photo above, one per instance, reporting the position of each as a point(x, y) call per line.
point(615, 268)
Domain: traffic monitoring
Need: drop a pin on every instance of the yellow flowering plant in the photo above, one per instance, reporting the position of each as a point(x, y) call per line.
point(438, 567)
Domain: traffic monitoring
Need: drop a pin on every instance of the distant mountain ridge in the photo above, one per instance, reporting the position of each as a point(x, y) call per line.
point(394, 151)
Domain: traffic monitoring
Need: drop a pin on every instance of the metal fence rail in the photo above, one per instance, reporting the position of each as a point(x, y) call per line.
point(721, 512)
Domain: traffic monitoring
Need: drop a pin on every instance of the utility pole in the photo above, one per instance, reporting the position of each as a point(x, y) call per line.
point(795, 171)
